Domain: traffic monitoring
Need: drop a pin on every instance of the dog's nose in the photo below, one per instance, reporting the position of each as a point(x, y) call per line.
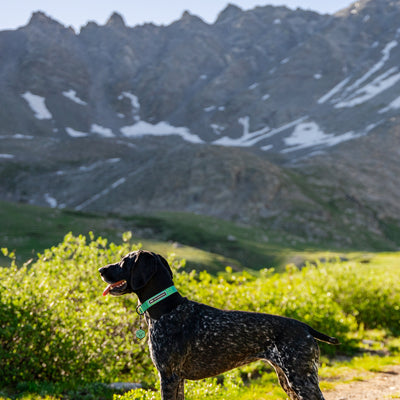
point(101, 270)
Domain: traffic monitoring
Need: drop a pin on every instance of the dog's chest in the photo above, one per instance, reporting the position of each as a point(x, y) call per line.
point(169, 338)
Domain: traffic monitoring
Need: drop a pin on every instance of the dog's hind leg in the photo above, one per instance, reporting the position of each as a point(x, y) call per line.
point(283, 381)
point(298, 371)
point(299, 387)
point(306, 388)
point(172, 388)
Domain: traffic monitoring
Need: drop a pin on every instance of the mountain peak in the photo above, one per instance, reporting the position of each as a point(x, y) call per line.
point(186, 14)
point(116, 21)
point(39, 18)
point(190, 18)
point(231, 11)
point(367, 5)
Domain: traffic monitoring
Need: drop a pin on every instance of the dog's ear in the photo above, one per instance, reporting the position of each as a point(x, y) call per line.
point(142, 269)
point(165, 263)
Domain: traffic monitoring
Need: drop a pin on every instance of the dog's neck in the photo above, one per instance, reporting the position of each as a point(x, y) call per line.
point(165, 306)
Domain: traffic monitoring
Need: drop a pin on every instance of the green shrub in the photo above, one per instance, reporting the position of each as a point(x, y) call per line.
point(370, 293)
point(55, 326)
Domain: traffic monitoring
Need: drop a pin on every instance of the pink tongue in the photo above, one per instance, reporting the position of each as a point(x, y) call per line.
point(106, 290)
point(109, 287)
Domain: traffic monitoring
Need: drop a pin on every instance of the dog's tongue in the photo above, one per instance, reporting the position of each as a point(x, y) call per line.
point(106, 290)
point(109, 287)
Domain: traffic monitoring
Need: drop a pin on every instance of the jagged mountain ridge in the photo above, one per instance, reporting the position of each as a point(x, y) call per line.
point(284, 85)
point(256, 78)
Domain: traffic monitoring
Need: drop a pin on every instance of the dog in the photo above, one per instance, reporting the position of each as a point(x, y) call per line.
point(190, 340)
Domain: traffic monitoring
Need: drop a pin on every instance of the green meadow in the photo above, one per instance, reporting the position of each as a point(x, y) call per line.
point(60, 339)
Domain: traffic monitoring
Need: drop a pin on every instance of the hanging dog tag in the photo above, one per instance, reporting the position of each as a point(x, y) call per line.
point(140, 333)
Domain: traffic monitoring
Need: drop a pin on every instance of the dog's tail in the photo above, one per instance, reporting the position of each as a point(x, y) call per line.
point(322, 337)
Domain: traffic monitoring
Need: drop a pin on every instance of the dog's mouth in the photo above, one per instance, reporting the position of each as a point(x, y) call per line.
point(116, 289)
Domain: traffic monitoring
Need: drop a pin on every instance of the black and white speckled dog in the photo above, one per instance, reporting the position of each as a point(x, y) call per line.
point(190, 340)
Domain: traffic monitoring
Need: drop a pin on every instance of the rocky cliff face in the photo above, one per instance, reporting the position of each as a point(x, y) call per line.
point(288, 118)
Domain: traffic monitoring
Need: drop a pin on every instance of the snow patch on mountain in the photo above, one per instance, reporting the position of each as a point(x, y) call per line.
point(74, 133)
point(251, 138)
point(100, 130)
point(309, 134)
point(162, 128)
point(394, 105)
point(304, 134)
point(336, 89)
point(377, 66)
point(133, 99)
point(367, 92)
point(356, 94)
point(71, 94)
point(37, 105)
point(51, 201)
point(217, 129)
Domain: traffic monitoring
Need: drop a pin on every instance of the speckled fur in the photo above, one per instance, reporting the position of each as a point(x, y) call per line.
point(195, 341)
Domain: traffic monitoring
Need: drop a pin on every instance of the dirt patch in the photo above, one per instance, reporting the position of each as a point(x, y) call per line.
point(376, 386)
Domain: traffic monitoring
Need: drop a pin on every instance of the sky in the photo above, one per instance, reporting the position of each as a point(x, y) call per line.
point(77, 13)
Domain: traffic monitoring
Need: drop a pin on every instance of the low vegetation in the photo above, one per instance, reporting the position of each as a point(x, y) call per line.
point(204, 242)
point(60, 338)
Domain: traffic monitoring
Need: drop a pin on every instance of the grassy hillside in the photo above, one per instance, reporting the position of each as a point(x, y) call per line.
point(205, 242)
point(28, 229)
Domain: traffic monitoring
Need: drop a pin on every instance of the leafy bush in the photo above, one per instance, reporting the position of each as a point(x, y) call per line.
point(55, 326)
point(369, 293)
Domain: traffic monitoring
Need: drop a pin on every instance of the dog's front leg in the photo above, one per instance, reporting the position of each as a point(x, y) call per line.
point(172, 387)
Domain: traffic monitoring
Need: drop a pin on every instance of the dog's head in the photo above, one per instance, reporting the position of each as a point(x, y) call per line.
point(134, 272)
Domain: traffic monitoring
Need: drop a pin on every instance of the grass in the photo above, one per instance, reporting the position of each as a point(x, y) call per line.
point(243, 246)
point(205, 242)
point(29, 229)
point(258, 383)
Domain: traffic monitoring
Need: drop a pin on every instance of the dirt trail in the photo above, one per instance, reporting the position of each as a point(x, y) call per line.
point(377, 386)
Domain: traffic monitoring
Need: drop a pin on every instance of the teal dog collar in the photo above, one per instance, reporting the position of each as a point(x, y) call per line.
point(142, 308)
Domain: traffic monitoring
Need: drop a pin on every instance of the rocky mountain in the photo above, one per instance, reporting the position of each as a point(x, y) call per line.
point(285, 118)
